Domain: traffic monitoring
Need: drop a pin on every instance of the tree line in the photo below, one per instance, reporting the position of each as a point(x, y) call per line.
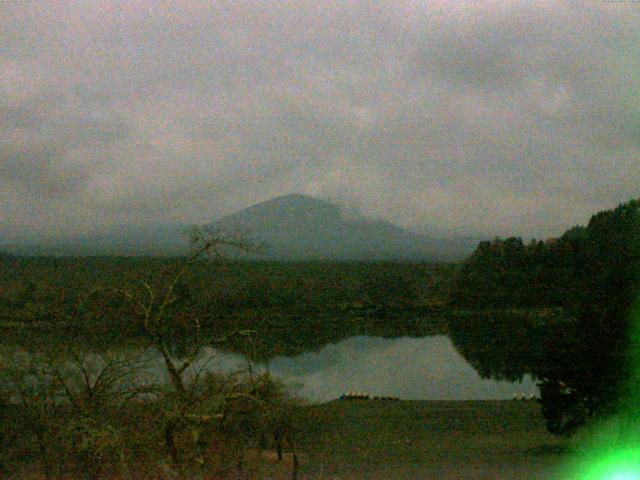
point(571, 322)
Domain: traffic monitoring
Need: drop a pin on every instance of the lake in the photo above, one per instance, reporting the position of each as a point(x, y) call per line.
point(411, 368)
point(427, 368)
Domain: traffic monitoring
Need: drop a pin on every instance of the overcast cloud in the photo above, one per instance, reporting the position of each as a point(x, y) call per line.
point(480, 117)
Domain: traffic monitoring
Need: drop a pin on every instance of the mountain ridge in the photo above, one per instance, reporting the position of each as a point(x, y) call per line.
point(301, 227)
point(292, 226)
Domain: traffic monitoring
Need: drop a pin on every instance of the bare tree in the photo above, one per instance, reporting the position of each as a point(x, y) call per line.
point(59, 397)
point(153, 306)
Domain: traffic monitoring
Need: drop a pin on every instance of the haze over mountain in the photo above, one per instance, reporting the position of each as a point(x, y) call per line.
point(302, 227)
point(291, 227)
point(481, 118)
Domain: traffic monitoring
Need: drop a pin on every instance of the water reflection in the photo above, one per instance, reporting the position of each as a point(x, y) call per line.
point(427, 368)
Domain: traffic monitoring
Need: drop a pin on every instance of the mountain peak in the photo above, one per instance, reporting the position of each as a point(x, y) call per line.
point(298, 226)
point(293, 199)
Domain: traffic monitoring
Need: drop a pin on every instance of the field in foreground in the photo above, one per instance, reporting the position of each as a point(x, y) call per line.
point(387, 440)
point(430, 440)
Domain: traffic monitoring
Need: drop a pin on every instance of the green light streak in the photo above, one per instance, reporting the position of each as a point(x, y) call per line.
point(611, 450)
point(620, 465)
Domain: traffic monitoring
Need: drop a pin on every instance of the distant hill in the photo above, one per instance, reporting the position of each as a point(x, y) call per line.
point(300, 227)
point(130, 240)
point(293, 227)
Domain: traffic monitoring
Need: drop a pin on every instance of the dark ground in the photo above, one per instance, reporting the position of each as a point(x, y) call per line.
point(431, 440)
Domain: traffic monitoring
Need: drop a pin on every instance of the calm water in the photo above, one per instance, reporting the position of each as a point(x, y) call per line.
point(426, 368)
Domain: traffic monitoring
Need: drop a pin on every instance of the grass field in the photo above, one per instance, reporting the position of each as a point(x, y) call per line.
point(430, 440)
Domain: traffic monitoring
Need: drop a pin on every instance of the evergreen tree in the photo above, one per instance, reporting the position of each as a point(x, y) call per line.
point(581, 358)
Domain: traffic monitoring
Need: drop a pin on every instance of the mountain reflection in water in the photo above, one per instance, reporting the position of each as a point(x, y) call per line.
point(427, 368)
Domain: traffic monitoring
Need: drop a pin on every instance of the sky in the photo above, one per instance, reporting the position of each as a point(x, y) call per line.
point(465, 118)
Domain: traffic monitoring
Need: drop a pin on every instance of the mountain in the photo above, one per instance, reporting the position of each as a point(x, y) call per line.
point(129, 240)
point(292, 227)
point(300, 227)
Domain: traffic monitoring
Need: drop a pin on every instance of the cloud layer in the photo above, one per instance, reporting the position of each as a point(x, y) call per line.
point(490, 118)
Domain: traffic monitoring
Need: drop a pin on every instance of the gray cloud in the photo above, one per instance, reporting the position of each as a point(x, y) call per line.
point(50, 146)
point(495, 118)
